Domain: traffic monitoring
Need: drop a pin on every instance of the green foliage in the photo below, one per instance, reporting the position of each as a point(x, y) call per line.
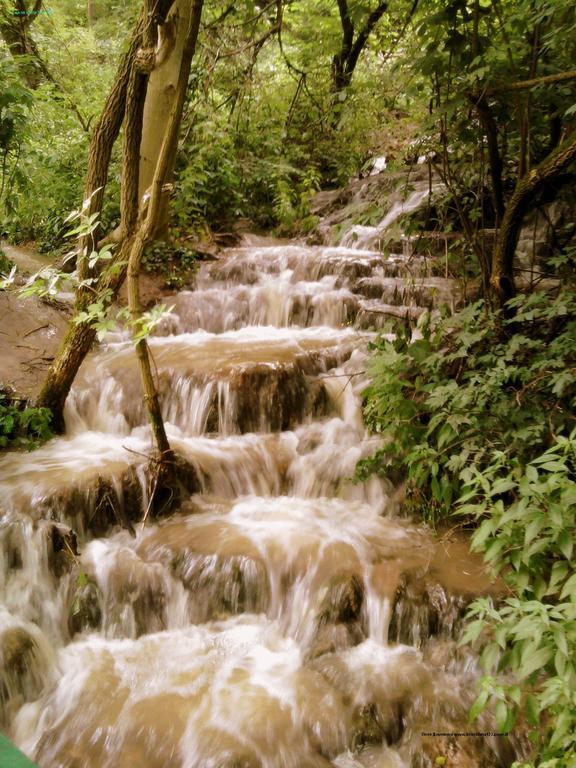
point(177, 264)
point(47, 171)
point(478, 415)
point(483, 135)
point(527, 530)
point(224, 177)
point(22, 427)
point(453, 398)
point(5, 263)
point(15, 100)
point(143, 326)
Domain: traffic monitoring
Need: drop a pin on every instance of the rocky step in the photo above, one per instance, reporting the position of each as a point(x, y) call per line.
point(277, 303)
point(429, 292)
point(253, 379)
point(237, 692)
point(337, 563)
point(310, 264)
point(248, 265)
point(432, 246)
point(94, 481)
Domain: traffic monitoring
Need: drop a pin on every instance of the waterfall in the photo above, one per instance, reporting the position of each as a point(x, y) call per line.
point(366, 237)
point(286, 616)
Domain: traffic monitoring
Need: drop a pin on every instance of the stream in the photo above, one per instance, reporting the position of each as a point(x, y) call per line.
point(285, 617)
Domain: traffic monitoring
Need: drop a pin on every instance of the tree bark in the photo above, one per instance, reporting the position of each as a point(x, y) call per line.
point(523, 200)
point(91, 12)
point(74, 348)
point(80, 337)
point(102, 142)
point(162, 91)
point(494, 156)
point(15, 31)
point(345, 61)
point(526, 85)
point(165, 493)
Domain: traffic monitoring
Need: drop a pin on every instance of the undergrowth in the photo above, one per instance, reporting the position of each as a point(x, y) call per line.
point(21, 426)
point(477, 416)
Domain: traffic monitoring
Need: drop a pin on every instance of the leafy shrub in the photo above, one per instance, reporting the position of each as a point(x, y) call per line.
point(176, 264)
point(5, 263)
point(478, 416)
point(22, 426)
point(527, 529)
point(463, 392)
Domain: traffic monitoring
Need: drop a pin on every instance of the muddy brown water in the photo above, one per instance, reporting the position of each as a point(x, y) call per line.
point(285, 617)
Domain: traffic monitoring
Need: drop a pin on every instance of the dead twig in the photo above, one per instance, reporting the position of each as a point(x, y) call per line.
point(40, 327)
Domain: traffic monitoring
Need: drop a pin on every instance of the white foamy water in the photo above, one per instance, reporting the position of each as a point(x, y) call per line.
point(284, 617)
point(364, 237)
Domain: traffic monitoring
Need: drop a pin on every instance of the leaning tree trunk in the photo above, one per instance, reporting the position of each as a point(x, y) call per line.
point(81, 336)
point(165, 489)
point(161, 94)
point(75, 346)
point(523, 200)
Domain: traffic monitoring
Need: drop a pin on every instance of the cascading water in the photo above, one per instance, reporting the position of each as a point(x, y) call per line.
point(360, 236)
point(285, 617)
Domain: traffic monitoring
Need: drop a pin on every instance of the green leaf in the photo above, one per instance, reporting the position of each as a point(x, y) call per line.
point(566, 544)
point(479, 706)
point(472, 631)
point(534, 659)
point(532, 710)
point(569, 589)
point(501, 714)
point(532, 474)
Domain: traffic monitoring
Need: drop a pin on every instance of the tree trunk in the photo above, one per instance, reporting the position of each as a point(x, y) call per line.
point(102, 142)
point(159, 102)
point(523, 200)
point(74, 348)
point(91, 12)
point(15, 31)
point(80, 337)
point(494, 156)
point(162, 91)
point(165, 492)
point(345, 61)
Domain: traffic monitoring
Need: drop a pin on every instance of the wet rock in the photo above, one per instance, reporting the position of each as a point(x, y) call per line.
point(331, 638)
point(256, 398)
point(229, 582)
point(275, 398)
point(11, 542)
point(225, 586)
point(99, 505)
point(372, 726)
point(378, 682)
point(343, 601)
point(22, 669)
point(129, 593)
point(424, 609)
point(85, 612)
point(428, 293)
point(430, 246)
point(61, 547)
